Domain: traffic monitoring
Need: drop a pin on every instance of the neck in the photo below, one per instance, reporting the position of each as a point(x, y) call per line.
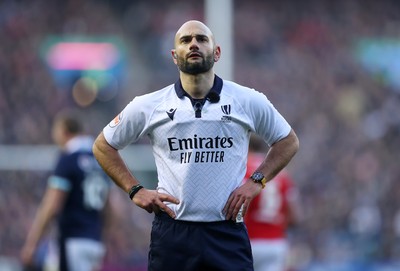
point(197, 86)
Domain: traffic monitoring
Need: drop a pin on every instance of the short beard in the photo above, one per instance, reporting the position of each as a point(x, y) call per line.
point(195, 68)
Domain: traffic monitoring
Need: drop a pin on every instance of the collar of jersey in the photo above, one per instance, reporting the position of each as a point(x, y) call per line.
point(216, 88)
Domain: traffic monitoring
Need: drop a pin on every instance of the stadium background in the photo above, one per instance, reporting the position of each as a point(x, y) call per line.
point(331, 67)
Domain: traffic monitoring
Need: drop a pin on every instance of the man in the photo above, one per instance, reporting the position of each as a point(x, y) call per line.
point(199, 129)
point(77, 194)
point(270, 214)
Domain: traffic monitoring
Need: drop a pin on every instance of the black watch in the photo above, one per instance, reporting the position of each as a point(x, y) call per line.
point(258, 177)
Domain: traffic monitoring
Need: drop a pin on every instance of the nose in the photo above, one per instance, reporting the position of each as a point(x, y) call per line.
point(193, 44)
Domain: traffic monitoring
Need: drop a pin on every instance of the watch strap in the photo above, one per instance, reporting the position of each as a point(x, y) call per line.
point(258, 177)
point(132, 192)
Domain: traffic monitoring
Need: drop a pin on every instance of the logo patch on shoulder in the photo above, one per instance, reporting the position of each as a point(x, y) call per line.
point(171, 113)
point(226, 109)
point(117, 120)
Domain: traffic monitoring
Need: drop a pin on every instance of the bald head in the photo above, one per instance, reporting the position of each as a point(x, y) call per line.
point(195, 49)
point(193, 28)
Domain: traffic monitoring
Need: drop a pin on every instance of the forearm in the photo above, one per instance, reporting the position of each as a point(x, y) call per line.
point(49, 207)
point(279, 155)
point(35, 233)
point(111, 162)
point(38, 228)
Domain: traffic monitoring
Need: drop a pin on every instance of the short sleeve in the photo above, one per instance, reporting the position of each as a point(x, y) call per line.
point(268, 122)
point(128, 126)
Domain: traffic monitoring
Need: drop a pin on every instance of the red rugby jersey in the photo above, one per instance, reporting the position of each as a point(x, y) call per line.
point(267, 216)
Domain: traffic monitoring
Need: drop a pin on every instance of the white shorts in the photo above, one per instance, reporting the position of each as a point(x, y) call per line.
point(81, 255)
point(270, 255)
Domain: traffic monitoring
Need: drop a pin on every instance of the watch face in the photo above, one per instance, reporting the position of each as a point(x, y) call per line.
point(257, 176)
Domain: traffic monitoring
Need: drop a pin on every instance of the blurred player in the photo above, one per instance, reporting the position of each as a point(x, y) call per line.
point(76, 195)
point(270, 214)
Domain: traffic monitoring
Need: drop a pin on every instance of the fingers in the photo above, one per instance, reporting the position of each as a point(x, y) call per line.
point(233, 209)
point(152, 201)
point(227, 206)
point(230, 206)
point(168, 198)
point(165, 197)
point(240, 198)
point(235, 204)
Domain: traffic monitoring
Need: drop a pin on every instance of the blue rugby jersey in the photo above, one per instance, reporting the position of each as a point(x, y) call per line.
point(200, 146)
point(78, 173)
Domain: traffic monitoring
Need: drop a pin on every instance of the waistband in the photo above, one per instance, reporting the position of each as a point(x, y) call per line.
point(163, 216)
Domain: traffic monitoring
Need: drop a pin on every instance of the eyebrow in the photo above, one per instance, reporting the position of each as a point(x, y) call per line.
point(191, 36)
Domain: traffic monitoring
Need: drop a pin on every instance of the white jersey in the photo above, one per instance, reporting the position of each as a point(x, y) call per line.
point(200, 157)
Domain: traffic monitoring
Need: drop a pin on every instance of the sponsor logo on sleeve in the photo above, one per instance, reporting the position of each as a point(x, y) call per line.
point(117, 120)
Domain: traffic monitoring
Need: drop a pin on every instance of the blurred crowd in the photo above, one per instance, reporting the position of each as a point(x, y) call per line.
point(301, 54)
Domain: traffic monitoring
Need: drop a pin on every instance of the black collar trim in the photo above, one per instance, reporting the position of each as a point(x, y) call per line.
point(213, 95)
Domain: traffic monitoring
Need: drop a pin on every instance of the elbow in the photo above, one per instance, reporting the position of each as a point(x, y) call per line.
point(293, 141)
point(296, 143)
point(98, 146)
point(101, 146)
point(95, 148)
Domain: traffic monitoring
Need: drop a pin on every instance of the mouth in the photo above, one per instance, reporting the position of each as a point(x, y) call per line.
point(194, 55)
